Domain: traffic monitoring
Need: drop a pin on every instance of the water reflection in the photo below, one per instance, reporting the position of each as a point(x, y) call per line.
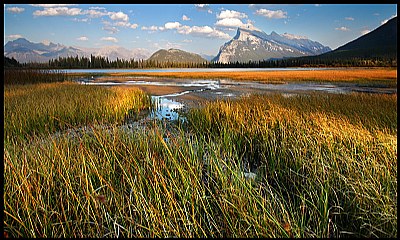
point(165, 108)
point(168, 106)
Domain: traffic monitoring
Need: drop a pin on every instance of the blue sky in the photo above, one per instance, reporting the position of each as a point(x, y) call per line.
point(198, 28)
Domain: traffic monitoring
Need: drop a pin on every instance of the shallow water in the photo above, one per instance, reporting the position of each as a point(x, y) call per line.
point(169, 105)
point(190, 70)
point(165, 108)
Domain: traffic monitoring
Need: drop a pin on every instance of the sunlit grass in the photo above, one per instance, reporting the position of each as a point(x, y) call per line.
point(324, 165)
point(380, 76)
point(334, 165)
point(49, 107)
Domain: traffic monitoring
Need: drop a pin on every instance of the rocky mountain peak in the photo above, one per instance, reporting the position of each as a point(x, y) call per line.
point(255, 45)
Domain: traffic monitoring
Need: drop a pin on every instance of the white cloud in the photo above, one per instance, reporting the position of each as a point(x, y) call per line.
point(118, 16)
point(58, 11)
point(185, 18)
point(232, 19)
point(109, 39)
point(122, 24)
point(271, 14)
point(83, 38)
point(151, 28)
point(187, 41)
point(52, 5)
point(203, 31)
point(231, 14)
point(363, 32)
point(344, 29)
point(110, 29)
point(80, 19)
point(134, 26)
point(15, 9)
point(200, 31)
point(14, 36)
point(93, 13)
point(172, 25)
point(120, 20)
point(195, 29)
point(230, 22)
point(203, 7)
point(97, 8)
point(385, 21)
point(349, 18)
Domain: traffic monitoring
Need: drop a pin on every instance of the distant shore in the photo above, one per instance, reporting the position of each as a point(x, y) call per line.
point(385, 76)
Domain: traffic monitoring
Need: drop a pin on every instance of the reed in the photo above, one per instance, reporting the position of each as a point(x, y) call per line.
point(31, 76)
point(49, 107)
point(321, 168)
point(333, 164)
point(379, 76)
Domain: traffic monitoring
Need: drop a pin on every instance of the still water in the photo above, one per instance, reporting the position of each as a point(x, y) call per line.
point(169, 105)
point(188, 70)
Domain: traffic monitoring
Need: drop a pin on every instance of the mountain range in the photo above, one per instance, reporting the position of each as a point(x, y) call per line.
point(25, 51)
point(247, 45)
point(253, 45)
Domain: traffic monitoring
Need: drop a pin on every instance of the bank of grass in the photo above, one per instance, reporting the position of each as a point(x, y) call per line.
point(323, 169)
point(31, 76)
point(333, 158)
point(378, 76)
point(31, 109)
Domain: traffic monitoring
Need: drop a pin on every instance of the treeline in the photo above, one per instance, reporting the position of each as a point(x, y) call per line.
point(98, 62)
point(11, 62)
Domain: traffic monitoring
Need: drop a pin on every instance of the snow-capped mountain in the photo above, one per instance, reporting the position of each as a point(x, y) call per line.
point(25, 51)
point(114, 52)
point(253, 45)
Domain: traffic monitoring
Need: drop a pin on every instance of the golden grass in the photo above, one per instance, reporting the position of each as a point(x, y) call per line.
point(326, 167)
point(34, 108)
point(284, 76)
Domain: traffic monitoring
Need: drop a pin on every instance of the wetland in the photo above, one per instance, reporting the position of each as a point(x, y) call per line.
point(167, 154)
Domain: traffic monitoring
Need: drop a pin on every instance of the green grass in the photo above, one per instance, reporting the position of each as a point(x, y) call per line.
point(326, 166)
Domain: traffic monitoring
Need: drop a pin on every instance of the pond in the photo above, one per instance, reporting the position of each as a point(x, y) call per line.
point(188, 70)
point(172, 95)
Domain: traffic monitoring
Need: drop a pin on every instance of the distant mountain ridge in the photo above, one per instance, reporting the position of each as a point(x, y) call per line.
point(254, 45)
point(25, 51)
point(247, 45)
point(381, 42)
point(176, 55)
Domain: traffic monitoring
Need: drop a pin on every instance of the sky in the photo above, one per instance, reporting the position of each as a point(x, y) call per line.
point(197, 28)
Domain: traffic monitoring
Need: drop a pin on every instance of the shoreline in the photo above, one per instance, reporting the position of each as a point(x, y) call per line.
point(354, 75)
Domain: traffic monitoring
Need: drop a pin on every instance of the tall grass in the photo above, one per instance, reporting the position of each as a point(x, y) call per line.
point(331, 158)
point(379, 76)
point(30, 76)
point(318, 174)
point(48, 107)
